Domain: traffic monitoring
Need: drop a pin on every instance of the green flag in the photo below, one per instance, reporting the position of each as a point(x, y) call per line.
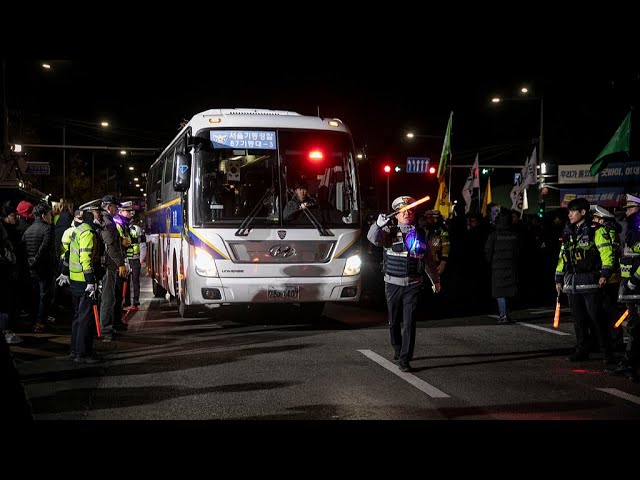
point(618, 143)
point(446, 148)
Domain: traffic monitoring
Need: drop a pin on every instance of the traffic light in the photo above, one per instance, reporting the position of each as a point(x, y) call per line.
point(432, 170)
point(486, 171)
point(387, 168)
point(541, 209)
point(397, 168)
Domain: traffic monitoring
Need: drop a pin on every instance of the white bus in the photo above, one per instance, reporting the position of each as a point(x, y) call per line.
point(215, 199)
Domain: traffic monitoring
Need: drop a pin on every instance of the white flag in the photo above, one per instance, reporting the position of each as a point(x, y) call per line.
point(472, 182)
point(525, 201)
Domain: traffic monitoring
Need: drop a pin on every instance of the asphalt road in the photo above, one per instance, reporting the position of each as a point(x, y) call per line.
point(273, 365)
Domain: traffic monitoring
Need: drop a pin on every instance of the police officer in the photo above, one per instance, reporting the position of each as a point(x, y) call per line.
point(406, 257)
point(584, 265)
point(136, 254)
point(609, 302)
point(629, 292)
point(79, 262)
point(114, 265)
point(121, 221)
point(437, 238)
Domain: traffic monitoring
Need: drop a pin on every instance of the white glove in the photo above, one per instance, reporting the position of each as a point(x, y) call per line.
point(630, 285)
point(91, 288)
point(63, 280)
point(382, 220)
point(126, 264)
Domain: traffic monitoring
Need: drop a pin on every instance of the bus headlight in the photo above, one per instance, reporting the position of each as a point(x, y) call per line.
point(204, 263)
point(352, 267)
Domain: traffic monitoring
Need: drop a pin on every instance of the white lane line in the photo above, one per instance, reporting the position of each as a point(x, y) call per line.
point(421, 385)
point(621, 394)
point(544, 329)
point(538, 311)
point(494, 316)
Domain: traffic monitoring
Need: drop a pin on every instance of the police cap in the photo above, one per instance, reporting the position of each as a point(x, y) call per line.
point(402, 201)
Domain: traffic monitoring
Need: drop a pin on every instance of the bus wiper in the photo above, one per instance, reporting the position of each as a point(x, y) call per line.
point(244, 229)
point(314, 221)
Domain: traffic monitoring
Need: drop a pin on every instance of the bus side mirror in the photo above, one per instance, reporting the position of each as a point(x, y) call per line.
point(182, 175)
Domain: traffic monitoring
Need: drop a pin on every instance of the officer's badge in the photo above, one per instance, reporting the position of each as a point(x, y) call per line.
point(282, 234)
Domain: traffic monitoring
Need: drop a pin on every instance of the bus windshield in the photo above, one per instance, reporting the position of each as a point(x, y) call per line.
point(261, 174)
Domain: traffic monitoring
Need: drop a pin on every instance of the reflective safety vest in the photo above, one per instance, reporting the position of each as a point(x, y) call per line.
point(135, 233)
point(586, 255)
point(80, 249)
point(66, 240)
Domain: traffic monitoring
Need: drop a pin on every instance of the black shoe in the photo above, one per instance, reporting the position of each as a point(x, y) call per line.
point(578, 357)
point(505, 319)
point(405, 367)
point(619, 370)
point(396, 357)
point(72, 355)
point(86, 360)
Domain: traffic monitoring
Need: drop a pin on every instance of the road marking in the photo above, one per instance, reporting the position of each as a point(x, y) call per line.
point(494, 316)
point(621, 394)
point(539, 311)
point(544, 329)
point(421, 385)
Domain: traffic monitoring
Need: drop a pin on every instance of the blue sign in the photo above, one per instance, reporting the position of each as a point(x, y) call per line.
point(622, 173)
point(254, 139)
point(37, 168)
point(605, 196)
point(418, 164)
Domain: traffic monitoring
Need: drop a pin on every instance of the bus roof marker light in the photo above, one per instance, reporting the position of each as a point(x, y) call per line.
point(334, 123)
point(316, 155)
point(215, 120)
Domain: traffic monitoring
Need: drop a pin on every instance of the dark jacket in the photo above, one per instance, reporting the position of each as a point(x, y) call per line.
point(39, 244)
point(501, 251)
point(112, 245)
point(64, 220)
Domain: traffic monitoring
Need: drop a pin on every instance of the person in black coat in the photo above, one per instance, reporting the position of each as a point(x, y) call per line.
point(39, 243)
point(501, 251)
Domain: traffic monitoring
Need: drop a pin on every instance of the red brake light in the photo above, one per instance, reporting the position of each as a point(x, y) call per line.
point(316, 155)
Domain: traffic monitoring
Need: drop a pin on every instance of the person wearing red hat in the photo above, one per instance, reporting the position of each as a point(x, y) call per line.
point(25, 220)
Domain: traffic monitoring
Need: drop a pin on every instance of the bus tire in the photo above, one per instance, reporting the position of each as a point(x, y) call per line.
point(311, 310)
point(187, 311)
point(158, 291)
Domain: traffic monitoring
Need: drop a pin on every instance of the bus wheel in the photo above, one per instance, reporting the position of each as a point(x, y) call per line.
point(158, 291)
point(311, 311)
point(186, 311)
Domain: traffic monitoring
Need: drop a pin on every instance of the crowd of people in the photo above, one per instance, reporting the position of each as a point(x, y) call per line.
point(82, 259)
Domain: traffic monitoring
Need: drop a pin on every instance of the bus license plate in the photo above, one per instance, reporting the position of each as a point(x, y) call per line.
point(283, 293)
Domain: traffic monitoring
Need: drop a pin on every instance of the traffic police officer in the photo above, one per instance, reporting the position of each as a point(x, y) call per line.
point(629, 292)
point(584, 265)
point(406, 257)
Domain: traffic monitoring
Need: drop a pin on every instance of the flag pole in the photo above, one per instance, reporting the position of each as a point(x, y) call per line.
point(449, 192)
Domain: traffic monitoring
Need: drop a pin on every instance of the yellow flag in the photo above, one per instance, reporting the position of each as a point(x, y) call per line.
point(487, 198)
point(442, 202)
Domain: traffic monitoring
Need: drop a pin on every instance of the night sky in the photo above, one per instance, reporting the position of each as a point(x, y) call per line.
point(381, 90)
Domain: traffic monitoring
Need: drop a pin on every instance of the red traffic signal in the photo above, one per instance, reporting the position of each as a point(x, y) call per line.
point(432, 170)
point(387, 168)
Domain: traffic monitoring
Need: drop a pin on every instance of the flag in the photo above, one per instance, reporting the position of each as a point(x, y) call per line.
point(443, 204)
point(618, 143)
point(446, 148)
point(473, 181)
point(487, 198)
point(525, 200)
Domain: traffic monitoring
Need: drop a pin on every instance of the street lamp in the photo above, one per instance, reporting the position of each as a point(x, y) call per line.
point(524, 91)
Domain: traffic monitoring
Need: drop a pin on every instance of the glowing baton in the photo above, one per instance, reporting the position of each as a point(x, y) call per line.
point(407, 207)
point(621, 319)
point(556, 317)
